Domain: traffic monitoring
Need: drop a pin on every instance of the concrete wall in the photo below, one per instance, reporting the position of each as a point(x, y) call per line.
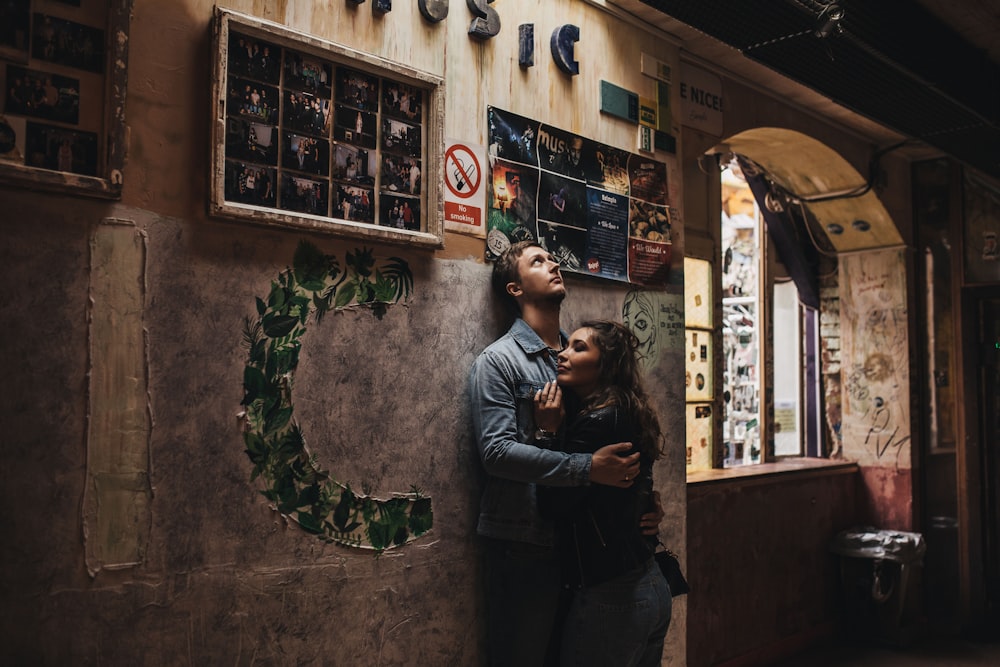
point(133, 533)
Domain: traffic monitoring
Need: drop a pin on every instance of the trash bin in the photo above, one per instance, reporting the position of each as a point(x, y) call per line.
point(877, 576)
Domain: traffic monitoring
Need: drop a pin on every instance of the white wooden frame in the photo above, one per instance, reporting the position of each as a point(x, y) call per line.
point(431, 228)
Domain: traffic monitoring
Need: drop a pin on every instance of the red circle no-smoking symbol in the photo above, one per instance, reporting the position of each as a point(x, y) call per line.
point(463, 175)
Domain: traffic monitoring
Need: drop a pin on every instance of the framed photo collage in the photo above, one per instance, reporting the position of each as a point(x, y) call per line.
point(320, 137)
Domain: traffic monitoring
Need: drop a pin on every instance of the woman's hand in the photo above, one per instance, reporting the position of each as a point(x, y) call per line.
point(549, 410)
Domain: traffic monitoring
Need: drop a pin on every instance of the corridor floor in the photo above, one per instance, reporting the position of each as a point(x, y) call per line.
point(922, 653)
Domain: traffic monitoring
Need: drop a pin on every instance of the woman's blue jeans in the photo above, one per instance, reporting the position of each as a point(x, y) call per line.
point(621, 622)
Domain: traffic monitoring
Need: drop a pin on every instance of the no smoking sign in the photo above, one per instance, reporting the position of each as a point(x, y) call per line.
point(463, 178)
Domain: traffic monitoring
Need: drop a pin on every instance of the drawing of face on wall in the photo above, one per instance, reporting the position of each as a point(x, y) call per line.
point(639, 315)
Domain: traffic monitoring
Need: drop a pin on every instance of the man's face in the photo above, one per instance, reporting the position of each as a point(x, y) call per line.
point(575, 148)
point(539, 277)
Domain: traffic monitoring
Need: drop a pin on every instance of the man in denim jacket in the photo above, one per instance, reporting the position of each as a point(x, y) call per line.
point(522, 574)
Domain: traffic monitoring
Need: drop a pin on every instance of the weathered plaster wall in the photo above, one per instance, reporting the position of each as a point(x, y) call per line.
point(221, 577)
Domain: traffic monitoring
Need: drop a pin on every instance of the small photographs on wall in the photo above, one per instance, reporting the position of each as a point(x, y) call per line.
point(67, 43)
point(308, 74)
point(400, 174)
point(255, 59)
point(253, 141)
point(402, 101)
point(400, 137)
point(355, 127)
point(304, 112)
point(304, 195)
point(355, 165)
point(353, 203)
point(399, 212)
point(253, 100)
point(357, 89)
point(15, 19)
point(250, 183)
point(304, 153)
point(59, 149)
point(43, 95)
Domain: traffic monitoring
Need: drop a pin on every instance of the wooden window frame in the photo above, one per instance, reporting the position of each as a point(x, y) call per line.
point(111, 137)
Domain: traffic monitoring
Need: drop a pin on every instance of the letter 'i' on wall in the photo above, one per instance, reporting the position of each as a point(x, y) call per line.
point(526, 45)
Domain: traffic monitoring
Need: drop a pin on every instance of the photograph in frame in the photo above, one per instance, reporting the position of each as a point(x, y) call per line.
point(356, 89)
point(306, 113)
point(67, 43)
point(399, 212)
point(15, 30)
point(351, 202)
point(255, 59)
point(253, 100)
point(250, 140)
point(353, 164)
point(60, 149)
point(42, 95)
point(306, 153)
point(355, 127)
point(308, 74)
point(250, 183)
point(304, 195)
point(400, 174)
point(402, 138)
point(402, 101)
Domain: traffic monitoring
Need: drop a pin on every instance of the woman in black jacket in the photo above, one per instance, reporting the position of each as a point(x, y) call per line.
point(621, 603)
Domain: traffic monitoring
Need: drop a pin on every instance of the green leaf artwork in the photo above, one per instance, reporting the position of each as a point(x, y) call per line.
point(293, 480)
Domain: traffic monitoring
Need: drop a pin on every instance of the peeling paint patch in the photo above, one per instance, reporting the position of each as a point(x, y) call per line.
point(117, 497)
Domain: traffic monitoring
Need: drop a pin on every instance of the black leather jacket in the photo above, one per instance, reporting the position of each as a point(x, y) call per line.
point(597, 527)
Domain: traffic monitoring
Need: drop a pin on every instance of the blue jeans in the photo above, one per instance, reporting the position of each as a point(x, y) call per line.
point(522, 603)
point(621, 622)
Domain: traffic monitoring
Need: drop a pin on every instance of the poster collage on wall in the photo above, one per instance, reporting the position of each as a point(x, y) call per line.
point(53, 65)
point(312, 136)
point(599, 210)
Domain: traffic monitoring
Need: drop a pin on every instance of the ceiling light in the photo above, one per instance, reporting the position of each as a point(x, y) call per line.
point(861, 225)
point(835, 228)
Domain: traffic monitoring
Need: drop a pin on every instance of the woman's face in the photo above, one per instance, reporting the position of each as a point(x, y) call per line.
point(579, 363)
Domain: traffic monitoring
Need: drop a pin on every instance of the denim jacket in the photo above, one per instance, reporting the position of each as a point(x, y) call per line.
point(502, 386)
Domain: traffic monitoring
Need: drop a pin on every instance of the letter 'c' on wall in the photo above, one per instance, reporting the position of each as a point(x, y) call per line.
point(563, 39)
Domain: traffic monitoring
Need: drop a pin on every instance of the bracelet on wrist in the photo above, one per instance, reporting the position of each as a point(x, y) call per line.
point(542, 434)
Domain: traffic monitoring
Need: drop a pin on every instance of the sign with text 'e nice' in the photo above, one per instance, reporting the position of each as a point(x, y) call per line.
point(701, 100)
point(464, 187)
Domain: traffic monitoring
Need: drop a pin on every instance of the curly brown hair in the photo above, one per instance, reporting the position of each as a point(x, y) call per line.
point(620, 382)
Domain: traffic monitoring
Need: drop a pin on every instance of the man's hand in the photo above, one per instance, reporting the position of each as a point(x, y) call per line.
point(610, 466)
point(649, 523)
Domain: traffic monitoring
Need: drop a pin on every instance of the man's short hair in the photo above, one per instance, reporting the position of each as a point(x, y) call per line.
point(505, 271)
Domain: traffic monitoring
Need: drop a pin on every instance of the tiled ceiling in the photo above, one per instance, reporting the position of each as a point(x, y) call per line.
point(927, 70)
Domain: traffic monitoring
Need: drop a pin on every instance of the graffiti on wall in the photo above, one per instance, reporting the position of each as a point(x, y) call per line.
point(876, 374)
point(294, 482)
point(657, 322)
